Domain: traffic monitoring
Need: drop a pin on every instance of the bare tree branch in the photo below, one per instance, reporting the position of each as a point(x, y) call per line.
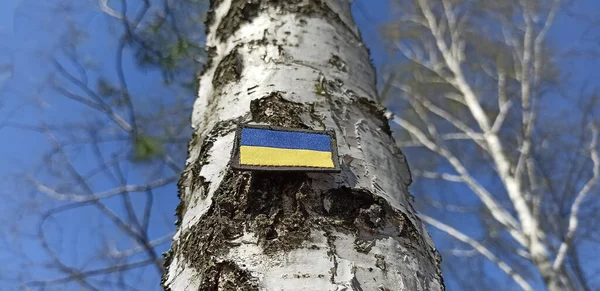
point(497, 211)
point(82, 275)
point(479, 248)
point(436, 175)
point(102, 195)
point(573, 217)
point(129, 252)
point(108, 10)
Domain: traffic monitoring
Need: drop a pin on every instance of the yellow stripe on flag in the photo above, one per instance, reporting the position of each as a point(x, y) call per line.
point(265, 156)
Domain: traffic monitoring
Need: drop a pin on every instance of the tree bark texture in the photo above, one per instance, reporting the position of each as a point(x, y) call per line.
point(299, 64)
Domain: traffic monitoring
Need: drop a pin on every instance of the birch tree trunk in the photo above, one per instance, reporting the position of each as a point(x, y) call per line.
point(297, 64)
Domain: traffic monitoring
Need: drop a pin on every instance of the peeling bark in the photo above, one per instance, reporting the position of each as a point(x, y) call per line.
point(297, 64)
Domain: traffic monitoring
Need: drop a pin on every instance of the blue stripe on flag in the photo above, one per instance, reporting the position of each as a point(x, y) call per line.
point(285, 139)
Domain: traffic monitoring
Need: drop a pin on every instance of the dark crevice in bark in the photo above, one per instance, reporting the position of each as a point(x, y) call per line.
point(228, 70)
point(273, 109)
point(180, 209)
point(210, 15)
point(282, 209)
point(356, 285)
point(244, 11)
point(266, 204)
point(370, 217)
point(211, 53)
point(181, 206)
point(168, 259)
point(225, 276)
point(331, 252)
point(380, 262)
point(438, 270)
point(336, 62)
point(240, 11)
point(377, 111)
point(351, 206)
point(191, 175)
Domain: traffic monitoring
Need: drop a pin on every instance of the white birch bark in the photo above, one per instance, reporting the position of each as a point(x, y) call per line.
point(296, 64)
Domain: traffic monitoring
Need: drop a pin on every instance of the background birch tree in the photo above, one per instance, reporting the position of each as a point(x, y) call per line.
point(298, 64)
point(486, 106)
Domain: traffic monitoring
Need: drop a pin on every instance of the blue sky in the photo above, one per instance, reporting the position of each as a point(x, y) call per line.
point(29, 32)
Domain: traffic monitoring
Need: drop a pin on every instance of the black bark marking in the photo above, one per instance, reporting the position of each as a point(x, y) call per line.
point(438, 271)
point(373, 215)
point(211, 53)
point(228, 276)
point(336, 62)
point(244, 11)
point(275, 110)
point(332, 253)
point(229, 69)
point(345, 205)
point(376, 111)
point(380, 263)
point(210, 15)
point(180, 209)
point(356, 285)
point(266, 204)
point(168, 259)
point(240, 11)
point(282, 209)
point(220, 129)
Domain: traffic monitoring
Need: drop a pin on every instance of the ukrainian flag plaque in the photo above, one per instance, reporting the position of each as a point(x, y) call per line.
point(270, 148)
